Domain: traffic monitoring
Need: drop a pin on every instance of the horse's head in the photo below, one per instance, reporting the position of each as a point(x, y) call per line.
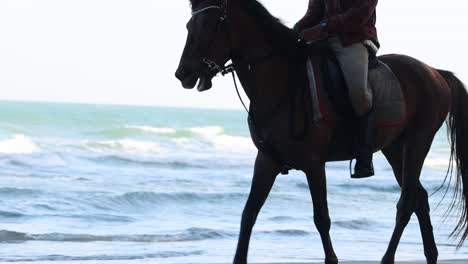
point(208, 45)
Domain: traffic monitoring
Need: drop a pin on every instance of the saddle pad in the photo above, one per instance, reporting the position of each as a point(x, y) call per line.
point(389, 106)
point(389, 102)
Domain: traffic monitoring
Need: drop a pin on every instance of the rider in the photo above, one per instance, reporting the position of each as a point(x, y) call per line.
point(349, 28)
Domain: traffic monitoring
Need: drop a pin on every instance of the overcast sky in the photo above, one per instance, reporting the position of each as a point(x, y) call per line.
point(126, 51)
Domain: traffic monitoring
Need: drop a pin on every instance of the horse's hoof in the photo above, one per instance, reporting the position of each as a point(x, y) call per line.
point(331, 260)
point(388, 260)
point(237, 261)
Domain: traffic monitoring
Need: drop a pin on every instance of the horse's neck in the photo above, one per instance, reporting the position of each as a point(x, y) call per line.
point(265, 83)
point(263, 74)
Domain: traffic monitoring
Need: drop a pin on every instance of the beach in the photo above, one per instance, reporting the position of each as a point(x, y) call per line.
point(125, 184)
point(155, 262)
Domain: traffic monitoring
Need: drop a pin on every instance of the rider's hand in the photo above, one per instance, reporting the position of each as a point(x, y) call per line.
point(314, 34)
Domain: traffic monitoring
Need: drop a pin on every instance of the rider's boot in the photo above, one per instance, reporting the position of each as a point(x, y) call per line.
point(364, 167)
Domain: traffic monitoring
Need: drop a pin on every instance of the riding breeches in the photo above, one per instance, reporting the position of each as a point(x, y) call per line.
point(354, 62)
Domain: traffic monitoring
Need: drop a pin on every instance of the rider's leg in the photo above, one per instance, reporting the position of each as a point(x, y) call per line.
point(354, 62)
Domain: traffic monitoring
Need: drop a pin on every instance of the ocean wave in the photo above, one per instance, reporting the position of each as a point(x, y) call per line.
point(390, 188)
point(173, 153)
point(233, 144)
point(172, 147)
point(129, 146)
point(384, 188)
point(16, 192)
point(11, 128)
point(152, 163)
point(134, 130)
point(19, 144)
point(161, 255)
point(287, 232)
point(7, 214)
point(282, 218)
point(12, 236)
point(137, 130)
point(359, 224)
point(207, 131)
point(150, 198)
point(151, 129)
point(215, 136)
point(191, 234)
point(302, 185)
point(437, 163)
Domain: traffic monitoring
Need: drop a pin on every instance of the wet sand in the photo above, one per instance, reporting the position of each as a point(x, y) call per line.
point(152, 261)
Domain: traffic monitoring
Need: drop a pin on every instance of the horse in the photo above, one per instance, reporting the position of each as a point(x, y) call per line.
point(266, 56)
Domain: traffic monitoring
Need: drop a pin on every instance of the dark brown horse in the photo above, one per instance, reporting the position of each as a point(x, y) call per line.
point(266, 56)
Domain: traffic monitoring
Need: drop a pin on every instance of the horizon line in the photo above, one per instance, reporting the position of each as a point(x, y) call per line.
point(2, 100)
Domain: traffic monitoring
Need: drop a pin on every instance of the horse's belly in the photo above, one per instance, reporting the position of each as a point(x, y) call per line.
point(343, 145)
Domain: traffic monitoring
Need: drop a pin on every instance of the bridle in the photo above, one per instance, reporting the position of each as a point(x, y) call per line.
point(226, 69)
point(214, 67)
point(223, 18)
point(210, 63)
point(202, 10)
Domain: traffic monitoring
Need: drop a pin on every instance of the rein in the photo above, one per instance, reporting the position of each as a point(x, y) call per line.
point(230, 69)
point(211, 64)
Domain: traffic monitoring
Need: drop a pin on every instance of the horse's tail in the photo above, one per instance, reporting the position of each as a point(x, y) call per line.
point(457, 124)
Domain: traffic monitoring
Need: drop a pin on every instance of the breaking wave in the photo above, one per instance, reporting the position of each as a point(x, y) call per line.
point(191, 234)
point(136, 199)
point(359, 224)
point(19, 144)
point(129, 146)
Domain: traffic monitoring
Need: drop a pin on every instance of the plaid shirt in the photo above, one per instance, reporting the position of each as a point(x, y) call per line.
point(351, 20)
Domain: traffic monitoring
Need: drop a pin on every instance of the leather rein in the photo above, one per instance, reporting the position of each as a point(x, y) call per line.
point(231, 69)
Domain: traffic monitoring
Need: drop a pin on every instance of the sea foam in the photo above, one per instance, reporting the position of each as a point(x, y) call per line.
point(128, 146)
point(19, 144)
point(207, 131)
point(437, 162)
point(191, 234)
point(157, 130)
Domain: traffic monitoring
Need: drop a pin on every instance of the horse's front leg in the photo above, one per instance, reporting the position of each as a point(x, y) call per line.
point(265, 173)
point(318, 189)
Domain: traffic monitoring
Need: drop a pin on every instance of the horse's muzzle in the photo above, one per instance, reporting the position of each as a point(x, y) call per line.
point(186, 77)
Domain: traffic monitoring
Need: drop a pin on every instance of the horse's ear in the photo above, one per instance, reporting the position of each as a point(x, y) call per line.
point(193, 3)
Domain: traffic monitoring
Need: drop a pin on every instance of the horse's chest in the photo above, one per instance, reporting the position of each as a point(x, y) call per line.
point(279, 143)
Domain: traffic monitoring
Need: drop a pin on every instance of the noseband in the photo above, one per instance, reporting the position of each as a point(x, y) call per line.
point(211, 64)
point(214, 67)
point(202, 10)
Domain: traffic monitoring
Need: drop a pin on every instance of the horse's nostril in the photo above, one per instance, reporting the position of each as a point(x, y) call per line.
point(181, 73)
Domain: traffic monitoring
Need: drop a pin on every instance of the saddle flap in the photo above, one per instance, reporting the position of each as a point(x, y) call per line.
point(330, 95)
point(389, 104)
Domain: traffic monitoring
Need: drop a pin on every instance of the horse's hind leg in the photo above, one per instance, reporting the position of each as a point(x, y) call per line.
point(422, 212)
point(411, 162)
point(265, 173)
point(318, 189)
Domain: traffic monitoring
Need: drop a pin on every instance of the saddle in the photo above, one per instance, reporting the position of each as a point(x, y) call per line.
point(330, 95)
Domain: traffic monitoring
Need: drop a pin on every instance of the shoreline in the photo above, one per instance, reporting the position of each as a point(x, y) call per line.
point(154, 261)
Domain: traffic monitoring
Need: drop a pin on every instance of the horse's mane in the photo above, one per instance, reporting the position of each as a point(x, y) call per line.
point(281, 37)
